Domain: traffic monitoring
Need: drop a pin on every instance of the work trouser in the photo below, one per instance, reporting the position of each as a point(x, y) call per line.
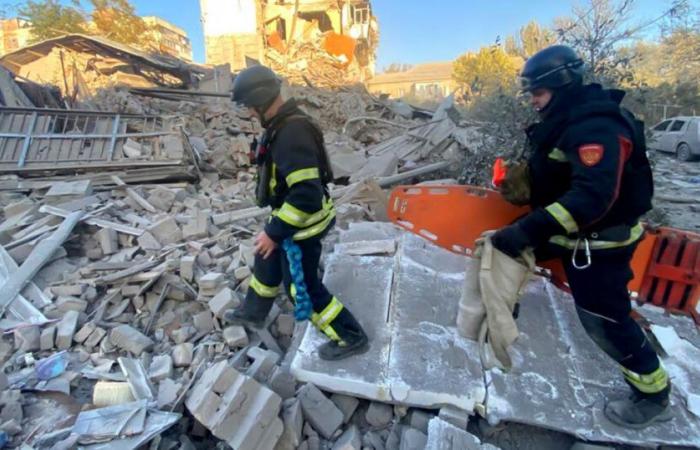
point(329, 314)
point(603, 306)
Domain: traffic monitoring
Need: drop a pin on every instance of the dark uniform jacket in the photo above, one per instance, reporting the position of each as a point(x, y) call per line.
point(589, 173)
point(293, 173)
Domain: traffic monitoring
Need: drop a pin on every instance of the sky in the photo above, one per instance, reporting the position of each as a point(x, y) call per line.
point(415, 31)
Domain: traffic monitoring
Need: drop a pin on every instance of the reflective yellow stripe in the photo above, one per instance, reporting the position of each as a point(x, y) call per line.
point(316, 229)
point(563, 216)
point(557, 155)
point(293, 292)
point(300, 219)
point(330, 332)
point(263, 290)
point(302, 175)
point(650, 383)
point(328, 315)
point(273, 179)
point(635, 234)
point(292, 215)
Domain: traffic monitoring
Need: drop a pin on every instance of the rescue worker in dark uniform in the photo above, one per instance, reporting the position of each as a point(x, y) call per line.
point(589, 183)
point(293, 173)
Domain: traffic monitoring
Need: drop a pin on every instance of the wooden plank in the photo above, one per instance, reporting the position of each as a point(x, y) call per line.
point(36, 260)
point(126, 229)
point(142, 202)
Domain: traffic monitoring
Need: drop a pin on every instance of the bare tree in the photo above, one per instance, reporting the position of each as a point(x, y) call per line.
point(599, 29)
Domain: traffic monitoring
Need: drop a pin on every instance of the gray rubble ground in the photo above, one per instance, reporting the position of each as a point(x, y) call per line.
point(129, 308)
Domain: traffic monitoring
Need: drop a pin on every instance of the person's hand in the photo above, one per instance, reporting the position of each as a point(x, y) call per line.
point(264, 246)
point(510, 240)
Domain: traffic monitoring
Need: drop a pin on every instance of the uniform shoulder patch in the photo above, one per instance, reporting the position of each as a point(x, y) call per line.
point(591, 154)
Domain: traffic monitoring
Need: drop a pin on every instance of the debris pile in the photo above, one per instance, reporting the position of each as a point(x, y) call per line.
point(127, 229)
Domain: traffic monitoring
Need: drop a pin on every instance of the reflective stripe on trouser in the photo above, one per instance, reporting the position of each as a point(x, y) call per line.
point(329, 316)
point(309, 224)
point(650, 383)
point(603, 306)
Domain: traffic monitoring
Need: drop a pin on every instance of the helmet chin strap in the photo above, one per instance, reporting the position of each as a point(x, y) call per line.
point(261, 110)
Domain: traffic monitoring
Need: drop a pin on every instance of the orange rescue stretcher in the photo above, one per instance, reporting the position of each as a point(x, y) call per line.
point(666, 263)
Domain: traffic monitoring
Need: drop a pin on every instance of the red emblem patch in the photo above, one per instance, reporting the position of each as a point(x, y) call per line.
point(591, 154)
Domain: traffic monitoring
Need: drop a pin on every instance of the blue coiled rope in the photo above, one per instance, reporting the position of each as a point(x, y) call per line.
point(302, 306)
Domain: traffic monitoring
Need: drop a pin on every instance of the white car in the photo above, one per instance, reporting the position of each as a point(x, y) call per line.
point(678, 135)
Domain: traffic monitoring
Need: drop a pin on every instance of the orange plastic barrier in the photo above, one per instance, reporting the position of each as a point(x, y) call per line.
point(666, 264)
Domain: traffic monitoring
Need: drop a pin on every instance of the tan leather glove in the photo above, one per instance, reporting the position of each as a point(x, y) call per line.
point(516, 185)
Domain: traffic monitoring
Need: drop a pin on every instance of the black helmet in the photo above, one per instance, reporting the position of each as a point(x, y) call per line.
point(553, 67)
point(256, 87)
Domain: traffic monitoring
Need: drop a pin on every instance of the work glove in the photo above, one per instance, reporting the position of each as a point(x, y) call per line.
point(511, 240)
point(515, 187)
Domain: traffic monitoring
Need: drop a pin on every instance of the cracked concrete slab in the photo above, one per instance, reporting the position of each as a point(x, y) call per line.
point(560, 380)
point(412, 335)
point(408, 303)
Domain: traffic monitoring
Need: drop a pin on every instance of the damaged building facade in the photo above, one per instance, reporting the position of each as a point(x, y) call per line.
point(339, 38)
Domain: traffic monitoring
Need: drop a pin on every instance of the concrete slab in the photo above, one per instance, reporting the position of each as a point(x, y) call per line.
point(408, 303)
point(365, 289)
point(560, 379)
point(425, 340)
point(406, 329)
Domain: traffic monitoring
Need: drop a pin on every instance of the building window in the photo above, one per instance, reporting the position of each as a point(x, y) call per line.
point(361, 14)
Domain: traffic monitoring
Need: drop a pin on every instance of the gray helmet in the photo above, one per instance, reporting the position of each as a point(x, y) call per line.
point(552, 68)
point(256, 87)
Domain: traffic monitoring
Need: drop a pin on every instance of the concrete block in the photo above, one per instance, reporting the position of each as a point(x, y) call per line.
point(95, 338)
point(183, 354)
point(68, 290)
point(350, 440)
point(48, 338)
point(235, 336)
point(223, 300)
point(84, 333)
point(108, 240)
point(66, 329)
point(321, 413)
point(203, 322)
point(167, 392)
point(211, 280)
point(197, 227)
point(264, 361)
point(71, 304)
point(283, 383)
point(130, 339)
point(149, 242)
point(161, 198)
point(27, 339)
point(161, 368)
point(187, 268)
point(445, 436)
point(285, 324)
point(293, 419)
point(242, 273)
point(166, 231)
point(182, 334)
point(346, 404)
point(412, 439)
point(379, 415)
point(373, 440)
point(245, 415)
point(419, 420)
point(455, 416)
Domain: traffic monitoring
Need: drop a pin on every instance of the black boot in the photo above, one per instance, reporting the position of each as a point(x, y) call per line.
point(639, 410)
point(251, 313)
point(352, 343)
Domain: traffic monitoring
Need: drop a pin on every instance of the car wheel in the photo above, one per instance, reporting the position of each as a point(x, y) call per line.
point(683, 152)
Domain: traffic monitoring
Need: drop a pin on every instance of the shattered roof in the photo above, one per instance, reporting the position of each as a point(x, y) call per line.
point(96, 44)
point(420, 72)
